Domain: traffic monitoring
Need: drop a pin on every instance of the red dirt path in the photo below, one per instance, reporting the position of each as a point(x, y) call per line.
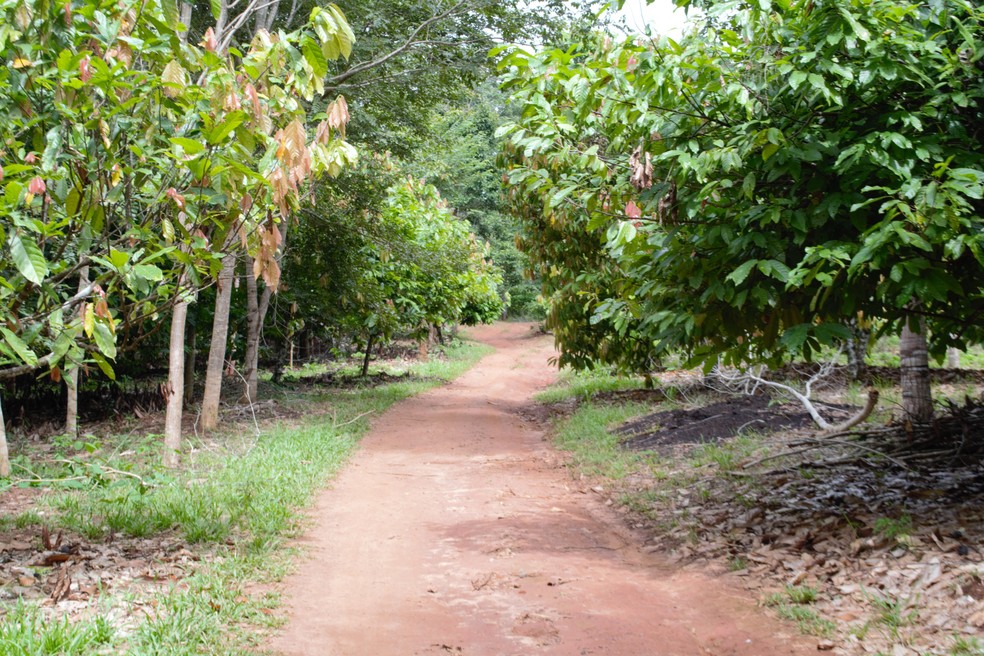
point(455, 530)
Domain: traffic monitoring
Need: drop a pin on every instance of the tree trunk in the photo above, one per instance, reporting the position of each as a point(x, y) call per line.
point(185, 18)
point(72, 378)
point(191, 354)
point(252, 336)
point(857, 349)
point(365, 360)
point(953, 358)
point(175, 379)
point(4, 453)
point(217, 349)
point(917, 399)
point(256, 315)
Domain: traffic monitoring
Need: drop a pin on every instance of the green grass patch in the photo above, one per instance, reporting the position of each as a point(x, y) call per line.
point(24, 632)
point(586, 434)
point(585, 384)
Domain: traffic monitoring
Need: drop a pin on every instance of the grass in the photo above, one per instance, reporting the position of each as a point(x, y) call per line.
point(585, 384)
point(793, 604)
point(242, 504)
point(965, 646)
point(897, 530)
point(24, 632)
point(595, 450)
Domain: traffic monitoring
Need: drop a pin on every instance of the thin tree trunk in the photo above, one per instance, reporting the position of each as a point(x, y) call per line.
point(255, 320)
point(365, 360)
point(175, 380)
point(191, 355)
point(217, 348)
point(953, 358)
point(857, 348)
point(252, 335)
point(185, 18)
point(4, 453)
point(72, 378)
point(917, 398)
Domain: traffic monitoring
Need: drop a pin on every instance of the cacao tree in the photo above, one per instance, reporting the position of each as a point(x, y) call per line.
point(744, 192)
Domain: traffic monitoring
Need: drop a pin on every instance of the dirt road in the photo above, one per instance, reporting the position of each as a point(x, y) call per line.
point(454, 531)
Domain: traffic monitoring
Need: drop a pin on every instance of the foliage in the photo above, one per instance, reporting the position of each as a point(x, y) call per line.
point(388, 257)
point(744, 192)
point(137, 157)
point(460, 160)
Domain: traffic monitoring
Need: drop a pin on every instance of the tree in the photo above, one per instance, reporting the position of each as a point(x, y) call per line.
point(116, 162)
point(743, 193)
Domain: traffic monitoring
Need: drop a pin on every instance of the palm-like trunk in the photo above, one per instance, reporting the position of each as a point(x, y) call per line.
point(917, 398)
point(217, 349)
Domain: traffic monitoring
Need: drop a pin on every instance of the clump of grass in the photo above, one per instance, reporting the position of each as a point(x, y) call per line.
point(965, 646)
point(892, 614)
point(897, 530)
point(25, 631)
point(793, 604)
point(595, 449)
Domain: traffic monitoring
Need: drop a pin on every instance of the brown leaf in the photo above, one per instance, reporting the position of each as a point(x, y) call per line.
point(209, 42)
point(641, 165)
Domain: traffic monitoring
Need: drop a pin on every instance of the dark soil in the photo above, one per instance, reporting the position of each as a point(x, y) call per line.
point(720, 421)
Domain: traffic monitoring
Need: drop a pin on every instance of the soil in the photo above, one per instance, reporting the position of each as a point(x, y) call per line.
point(457, 529)
point(720, 421)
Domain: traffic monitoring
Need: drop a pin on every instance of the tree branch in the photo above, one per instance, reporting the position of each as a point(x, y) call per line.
point(409, 43)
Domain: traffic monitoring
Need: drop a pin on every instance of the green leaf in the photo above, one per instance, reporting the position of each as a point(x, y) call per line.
point(104, 365)
point(12, 192)
point(22, 350)
point(216, 8)
point(50, 155)
point(149, 272)
point(739, 275)
point(769, 150)
point(105, 340)
point(171, 14)
point(225, 127)
point(315, 57)
point(28, 258)
point(190, 146)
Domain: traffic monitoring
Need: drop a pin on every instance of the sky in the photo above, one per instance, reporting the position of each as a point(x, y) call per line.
point(661, 15)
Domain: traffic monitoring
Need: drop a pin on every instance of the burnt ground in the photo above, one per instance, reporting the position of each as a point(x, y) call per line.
point(721, 421)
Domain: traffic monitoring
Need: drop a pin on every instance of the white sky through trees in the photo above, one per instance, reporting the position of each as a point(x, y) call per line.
point(660, 15)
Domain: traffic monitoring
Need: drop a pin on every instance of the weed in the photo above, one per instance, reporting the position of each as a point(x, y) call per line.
point(585, 384)
point(737, 564)
point(807, 620)
point(586, 435)
point(964, 646)
point(897, 530)
point(801, 594)
point(892, 614)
